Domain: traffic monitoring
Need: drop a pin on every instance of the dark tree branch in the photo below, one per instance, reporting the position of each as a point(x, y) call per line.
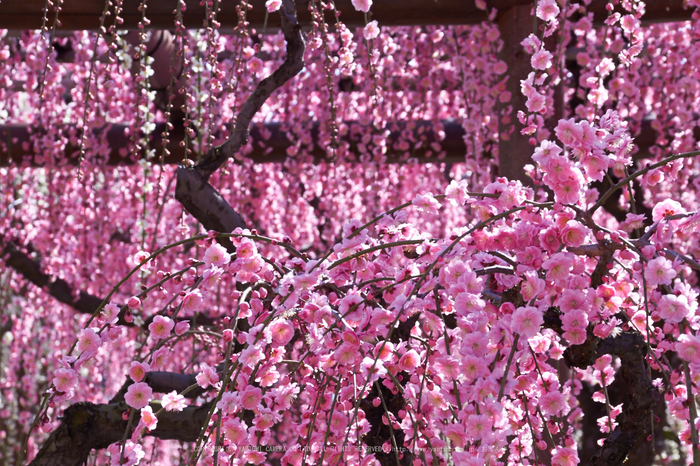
point(641, 399)
point(193, 189)
point(163, 382)
point(61, 290)
point(88, 426)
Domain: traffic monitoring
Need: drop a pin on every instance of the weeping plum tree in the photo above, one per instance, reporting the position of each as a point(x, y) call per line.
point(370, 298)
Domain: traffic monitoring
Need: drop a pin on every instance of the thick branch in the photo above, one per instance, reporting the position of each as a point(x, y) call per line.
point(293, 64)
point(87, 426)
point(193, 189)
point(59, 289)
point(163, 382)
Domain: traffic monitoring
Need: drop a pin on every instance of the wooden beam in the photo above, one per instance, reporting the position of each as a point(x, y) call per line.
point(271, 150)
point(85, 14)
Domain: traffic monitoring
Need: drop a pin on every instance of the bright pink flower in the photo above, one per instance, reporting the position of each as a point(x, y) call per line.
point(138, 395)
point(362, 5)
point(526, 321)
point(251, 398)
point(574, 233)
point(478, 426)
point(161, 327)
point(148, 418)
point(173, 401)
point(659, 271)
point(207, 376)
point(138, 370)
point(410, 360)
point(216, 255)
point(65, 379)
point(547, 10)
point(134, 303)
point(182, 327)
point(192, 302)
point(281, 331)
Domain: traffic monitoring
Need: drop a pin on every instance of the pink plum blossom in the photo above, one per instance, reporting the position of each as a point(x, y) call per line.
point(362, 5)
point(148, 418)
point(65, 379)
point(138, 395)
point(138, 370)
point(659, 271)
point(216, 255)
point(173, 401)
point(526, 321)
point(161, 327)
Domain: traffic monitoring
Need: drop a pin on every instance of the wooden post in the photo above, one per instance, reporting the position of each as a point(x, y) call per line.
point(514, 150)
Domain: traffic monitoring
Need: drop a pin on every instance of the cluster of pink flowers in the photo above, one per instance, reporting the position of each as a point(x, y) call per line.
point(337, 330)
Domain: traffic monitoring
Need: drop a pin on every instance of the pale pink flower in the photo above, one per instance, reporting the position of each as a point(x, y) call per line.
point(281, 331)
point(565, 457)
point(346, 353)
point(456, 192)
point(362, 5)
point(161, 327)
point(567, 131)
point(216, 255)
point(132, 455)
point(207, 376)
point(227, 403)
point(173, 401)
point(558, 266)
point(110, 313)
point(532, 286)
point(541, 60)
point(553, 402)
point(88, 340)
point(182, 327)
point(547, 10)
point(659, 271)
point(65, 379)
point(251, 398)
point(456, 434)
point(666, 207)
point(234, 430)
point(374, 367)
point(426, 203)
point(138, 370)
point(192, 301)
point(688, 347)
point(273, 5)
point(148, 418)
point(526, 321)
point(371, 30)
point(160, 358)
point(138, 395)
point(673, 308)
point(478, 426)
